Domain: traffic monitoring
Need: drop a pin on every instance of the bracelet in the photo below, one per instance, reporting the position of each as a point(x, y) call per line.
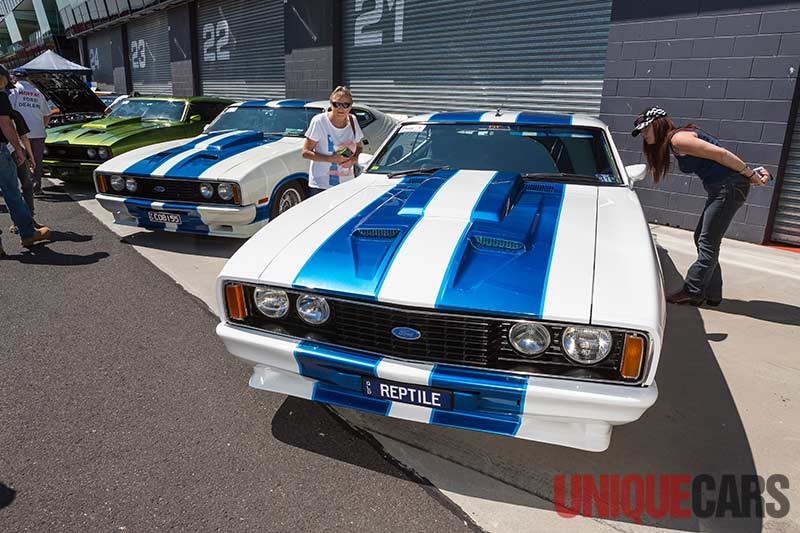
point(752, 173)
point(742, 169)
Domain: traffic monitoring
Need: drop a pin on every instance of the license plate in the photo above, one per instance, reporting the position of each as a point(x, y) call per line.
point(401, 392)
point(163, 218)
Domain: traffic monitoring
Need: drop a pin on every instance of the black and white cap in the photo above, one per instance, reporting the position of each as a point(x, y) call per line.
point(646, 118)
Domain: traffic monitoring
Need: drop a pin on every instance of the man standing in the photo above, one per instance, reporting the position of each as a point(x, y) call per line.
point(9, 184)
point(32, 105)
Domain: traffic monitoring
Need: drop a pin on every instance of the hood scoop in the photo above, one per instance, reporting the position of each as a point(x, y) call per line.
point(111, 122)
point(497, 244)
point(378, 234)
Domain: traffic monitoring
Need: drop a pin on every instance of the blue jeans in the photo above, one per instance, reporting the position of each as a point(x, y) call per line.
point(9, 184)
point(704, 279)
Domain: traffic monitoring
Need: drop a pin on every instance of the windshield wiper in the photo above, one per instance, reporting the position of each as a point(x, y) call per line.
point(423, 170)
point(554, 176)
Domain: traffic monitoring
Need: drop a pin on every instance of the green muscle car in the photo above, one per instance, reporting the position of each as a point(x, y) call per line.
point(73, 151)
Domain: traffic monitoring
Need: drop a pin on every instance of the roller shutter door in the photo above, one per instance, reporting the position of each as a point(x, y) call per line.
point(422, 55)
point(240, 48)
point(148, 42)
point(99, 47)
point(786, 227)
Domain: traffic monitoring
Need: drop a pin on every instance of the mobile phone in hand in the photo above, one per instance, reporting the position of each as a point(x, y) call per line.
point(346, 152)
point(758, 170)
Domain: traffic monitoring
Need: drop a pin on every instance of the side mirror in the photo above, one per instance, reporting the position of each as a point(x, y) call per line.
point(364, 159)
point(194, 119)
point(636, 173)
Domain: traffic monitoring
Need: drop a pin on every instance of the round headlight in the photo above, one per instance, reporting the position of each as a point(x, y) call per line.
point(91, 152)
point(586, 345)
point(529, 338)
point(206, 190)
point(103, 153)
point(272, 303)
point(313, 309)
point(131, 184)
point(225, 191)
point(118, 183)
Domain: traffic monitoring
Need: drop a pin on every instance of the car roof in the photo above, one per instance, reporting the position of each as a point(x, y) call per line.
point(181, 98)
point(478, 116)
point(282, 103)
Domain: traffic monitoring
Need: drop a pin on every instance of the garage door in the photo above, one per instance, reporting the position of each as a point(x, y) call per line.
point(240, 48)
point(786, 227)
point(423, 55)
point(148, 41)
point(99, 46)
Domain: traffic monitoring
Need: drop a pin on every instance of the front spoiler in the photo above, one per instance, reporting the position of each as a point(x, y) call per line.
point(556, 411)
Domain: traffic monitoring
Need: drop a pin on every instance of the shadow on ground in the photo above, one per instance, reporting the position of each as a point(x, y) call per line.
point(694, 428)
point(182, 243)
point(7, 495)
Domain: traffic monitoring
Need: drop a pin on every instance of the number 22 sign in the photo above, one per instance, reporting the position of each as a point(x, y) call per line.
point(215, 39)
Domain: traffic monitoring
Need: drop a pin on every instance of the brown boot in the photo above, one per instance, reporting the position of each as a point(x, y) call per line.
point(40, 234)
point(682, 298)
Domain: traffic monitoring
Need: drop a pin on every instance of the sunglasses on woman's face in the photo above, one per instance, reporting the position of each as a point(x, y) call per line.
point(341, 105)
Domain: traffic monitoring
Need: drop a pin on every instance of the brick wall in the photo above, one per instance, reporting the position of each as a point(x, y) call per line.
point(728, 66)
point(309, 73)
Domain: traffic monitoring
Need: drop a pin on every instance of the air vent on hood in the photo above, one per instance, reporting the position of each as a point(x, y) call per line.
point(539, 187)
point(376, 233)
point(497, 244)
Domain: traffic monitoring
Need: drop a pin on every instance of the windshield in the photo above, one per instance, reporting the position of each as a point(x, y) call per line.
point(150, 109)
point(519, 148)
point(278, 120)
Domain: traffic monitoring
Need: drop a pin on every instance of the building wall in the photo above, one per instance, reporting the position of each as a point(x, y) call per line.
point(728, 66)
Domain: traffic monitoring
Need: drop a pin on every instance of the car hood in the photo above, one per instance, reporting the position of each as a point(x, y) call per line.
point(104, 132)
point(468, 241)
point(210, 156)
point(67, 91)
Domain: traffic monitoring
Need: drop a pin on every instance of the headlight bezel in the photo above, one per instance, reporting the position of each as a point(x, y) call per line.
point(604, 336)
point(319, 299)
point(520, 327)
point(121, 181)
point(131, 185)
point(206, 191)
point(282, 312)
point(226, 196)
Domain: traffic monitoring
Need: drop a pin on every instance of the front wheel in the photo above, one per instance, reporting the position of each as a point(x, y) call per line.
point(287, 196)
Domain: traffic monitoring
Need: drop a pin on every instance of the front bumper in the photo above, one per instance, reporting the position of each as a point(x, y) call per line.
point(556, 411)
point(68, 170)
point(199, 219)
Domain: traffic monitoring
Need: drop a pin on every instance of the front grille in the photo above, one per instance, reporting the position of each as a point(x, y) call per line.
point(444, 338)
point(169, 190)
point(68, 152)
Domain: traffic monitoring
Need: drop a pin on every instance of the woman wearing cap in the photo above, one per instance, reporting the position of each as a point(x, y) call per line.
point(726, 179)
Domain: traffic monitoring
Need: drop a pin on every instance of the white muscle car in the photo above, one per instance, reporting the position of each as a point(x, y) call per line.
point(491, 271)
point(244, 170)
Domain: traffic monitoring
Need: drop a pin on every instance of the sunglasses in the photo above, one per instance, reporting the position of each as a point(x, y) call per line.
point(341, 105)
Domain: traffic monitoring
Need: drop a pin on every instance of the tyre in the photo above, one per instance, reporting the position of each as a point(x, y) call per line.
point(287, 196)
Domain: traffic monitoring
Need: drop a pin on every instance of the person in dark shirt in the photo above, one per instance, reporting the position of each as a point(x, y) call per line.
point(9, 183)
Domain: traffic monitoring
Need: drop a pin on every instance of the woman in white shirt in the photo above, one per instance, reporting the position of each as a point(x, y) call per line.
point(333, 142)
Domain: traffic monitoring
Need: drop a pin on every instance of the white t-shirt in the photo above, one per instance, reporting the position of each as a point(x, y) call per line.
point(32, 105)
point(331, 139)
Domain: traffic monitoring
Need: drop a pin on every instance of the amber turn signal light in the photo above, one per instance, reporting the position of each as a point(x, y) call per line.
point(632, 357)
point(237, 194)
point(102, 185)
point(234, 299)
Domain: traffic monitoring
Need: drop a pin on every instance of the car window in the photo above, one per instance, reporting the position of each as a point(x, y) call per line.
point(291, 121)
point(151, 109)
point(207, 110)
point(363, 117)
point(524, 149)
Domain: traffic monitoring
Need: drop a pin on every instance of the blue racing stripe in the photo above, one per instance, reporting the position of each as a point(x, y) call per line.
point(501, 265)
point(500, 399)
point(355, 259)
point(463, 116)
point(146, 166)
point(543, 118)
point(291, 103)
point(194, 165)
point(254, 103)
point(339, 373)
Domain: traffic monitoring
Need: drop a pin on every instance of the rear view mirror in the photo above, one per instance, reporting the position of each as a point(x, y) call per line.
point(636, 173)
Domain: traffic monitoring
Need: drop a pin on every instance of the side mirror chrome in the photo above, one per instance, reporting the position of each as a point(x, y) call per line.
point(635, 173)
point(194, 119)
point(364, 159)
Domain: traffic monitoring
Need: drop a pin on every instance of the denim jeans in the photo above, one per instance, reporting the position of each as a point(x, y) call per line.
point(26, 180)
point(37, 145)
point(9, 184)
point(704, 278)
